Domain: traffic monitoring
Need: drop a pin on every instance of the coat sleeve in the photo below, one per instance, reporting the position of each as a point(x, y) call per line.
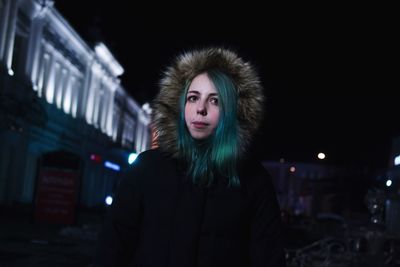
point(266, 237)
point(120, 232)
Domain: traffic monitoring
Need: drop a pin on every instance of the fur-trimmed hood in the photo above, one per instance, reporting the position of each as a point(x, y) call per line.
point(188, 65)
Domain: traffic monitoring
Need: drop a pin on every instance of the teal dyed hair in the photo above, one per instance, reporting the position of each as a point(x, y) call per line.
point(218, 154)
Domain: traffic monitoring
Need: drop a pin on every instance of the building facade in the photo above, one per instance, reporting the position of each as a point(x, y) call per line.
point(61, 97)
point(316, 188)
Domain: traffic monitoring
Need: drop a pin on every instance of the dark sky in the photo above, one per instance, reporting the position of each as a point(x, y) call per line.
point(328, 77)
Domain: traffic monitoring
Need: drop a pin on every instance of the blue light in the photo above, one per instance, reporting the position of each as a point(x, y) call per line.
point(397, 160)
point(132, 157)
point(109, 200)
point(111, 165)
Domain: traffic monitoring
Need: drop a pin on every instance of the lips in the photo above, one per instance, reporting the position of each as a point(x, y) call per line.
point(199, 124)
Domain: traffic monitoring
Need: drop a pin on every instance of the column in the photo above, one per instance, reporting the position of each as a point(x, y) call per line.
point(110, 113)
point(85, 89)
point(145, 137)
point(67, 96)
point(92, 93)
point(33, 54)
point(4, 26)
point(106, 104)
point(48, 86)
point(8, 49)
point(139, 133)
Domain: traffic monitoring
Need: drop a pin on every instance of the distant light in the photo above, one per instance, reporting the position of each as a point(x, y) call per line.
point(397, 160)
point(132, 157)
point(321, 155)
point(10, 72)
point(292, 169)
point(112, 166)
point(388, 182)
point(282, 160)
point(109, 200)
point(95, 157)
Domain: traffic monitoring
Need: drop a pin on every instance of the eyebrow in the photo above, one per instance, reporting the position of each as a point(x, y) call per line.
point(198, 93)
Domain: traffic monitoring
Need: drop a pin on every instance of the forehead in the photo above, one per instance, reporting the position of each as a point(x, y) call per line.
point(202, 84)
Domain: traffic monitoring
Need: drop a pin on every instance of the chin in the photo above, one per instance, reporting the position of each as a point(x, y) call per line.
point(198, 136)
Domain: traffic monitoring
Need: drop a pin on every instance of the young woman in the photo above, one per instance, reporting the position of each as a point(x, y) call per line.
point(198, 199)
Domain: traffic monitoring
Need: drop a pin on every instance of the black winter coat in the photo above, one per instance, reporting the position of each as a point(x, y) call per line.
point(160, 218)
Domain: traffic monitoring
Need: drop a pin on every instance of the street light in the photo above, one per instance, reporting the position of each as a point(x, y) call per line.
point(321, 155)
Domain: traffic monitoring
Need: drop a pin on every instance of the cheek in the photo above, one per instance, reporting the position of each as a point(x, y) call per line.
point(215, 116)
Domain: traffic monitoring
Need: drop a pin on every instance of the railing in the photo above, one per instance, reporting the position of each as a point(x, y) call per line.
point(372, 250)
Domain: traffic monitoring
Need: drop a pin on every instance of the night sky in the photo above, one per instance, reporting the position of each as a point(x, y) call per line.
point(327, 77)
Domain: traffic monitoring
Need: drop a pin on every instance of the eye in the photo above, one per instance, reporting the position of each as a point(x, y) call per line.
point(214, 100)
point(192, 98)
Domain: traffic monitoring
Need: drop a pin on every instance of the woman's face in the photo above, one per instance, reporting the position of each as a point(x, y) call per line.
point(201, 108)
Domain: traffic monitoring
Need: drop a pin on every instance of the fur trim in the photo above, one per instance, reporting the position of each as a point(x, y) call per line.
point(187, 66)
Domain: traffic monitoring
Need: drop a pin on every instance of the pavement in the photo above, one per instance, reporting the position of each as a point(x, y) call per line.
point(24, 242)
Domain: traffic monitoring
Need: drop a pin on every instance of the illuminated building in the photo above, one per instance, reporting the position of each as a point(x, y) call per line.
point(58, 94)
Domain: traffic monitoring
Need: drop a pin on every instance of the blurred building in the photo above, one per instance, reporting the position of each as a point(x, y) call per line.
point(392, 183)
point(393, 173)
point(61, 107)
point(313, 188)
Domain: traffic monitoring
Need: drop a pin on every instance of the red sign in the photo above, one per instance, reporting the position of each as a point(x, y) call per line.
point(56, 195)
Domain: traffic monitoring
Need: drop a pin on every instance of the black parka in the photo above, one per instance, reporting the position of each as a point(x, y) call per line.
point(160, 218)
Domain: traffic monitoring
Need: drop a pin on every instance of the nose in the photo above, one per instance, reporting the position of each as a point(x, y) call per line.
point(201, 109)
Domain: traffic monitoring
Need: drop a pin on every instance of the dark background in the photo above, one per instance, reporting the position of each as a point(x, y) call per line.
point(328, 73)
